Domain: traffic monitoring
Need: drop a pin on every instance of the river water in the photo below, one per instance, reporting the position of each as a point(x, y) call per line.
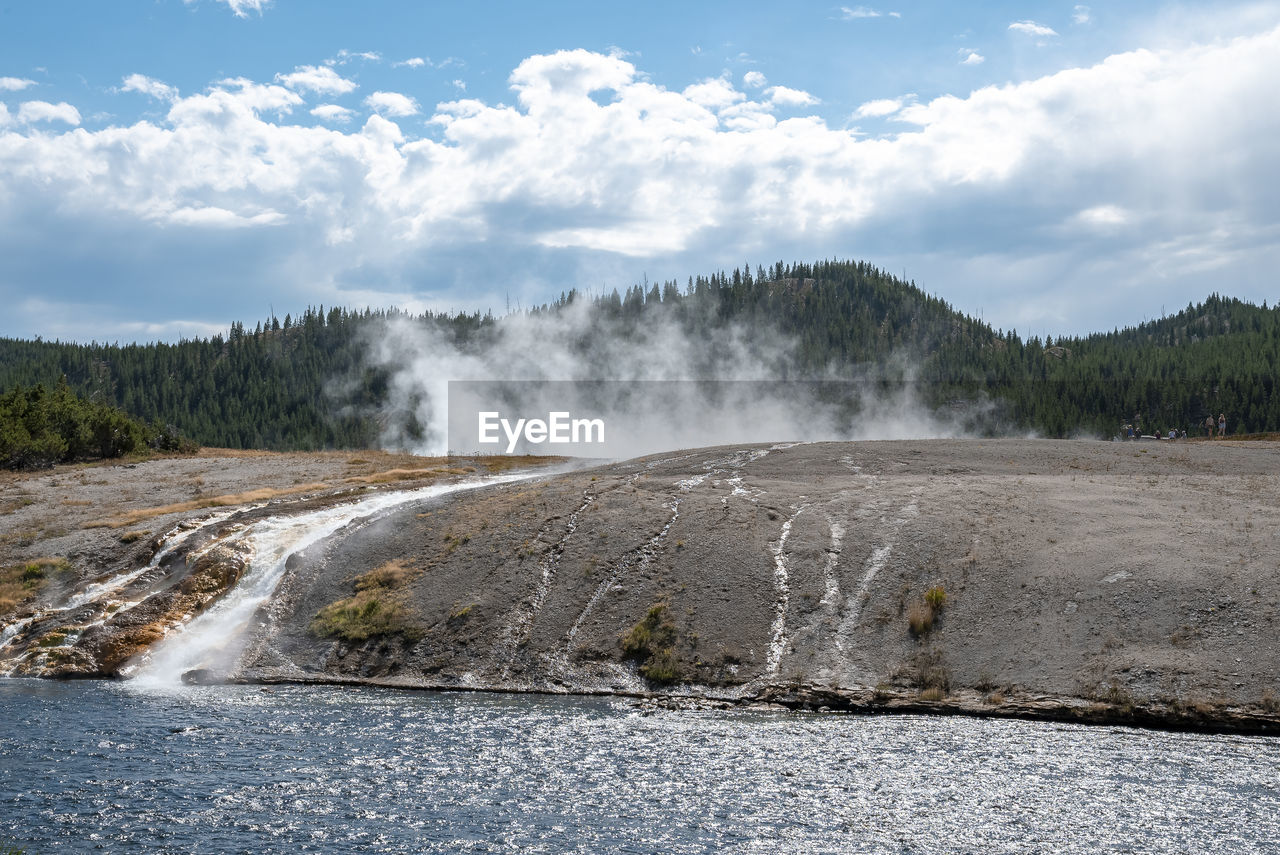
point(95, 766)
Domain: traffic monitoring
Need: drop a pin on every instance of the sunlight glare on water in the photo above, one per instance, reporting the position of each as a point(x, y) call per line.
point(296, 769)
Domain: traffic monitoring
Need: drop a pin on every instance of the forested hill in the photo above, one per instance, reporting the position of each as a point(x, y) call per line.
point(302, 383)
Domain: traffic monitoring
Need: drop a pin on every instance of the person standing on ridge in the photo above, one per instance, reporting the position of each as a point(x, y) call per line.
point(1222, 425)
point(1208, 426)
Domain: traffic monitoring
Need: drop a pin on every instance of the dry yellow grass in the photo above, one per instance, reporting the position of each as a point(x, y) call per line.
point(23, 581)
point(259, 495)
point(391, 475)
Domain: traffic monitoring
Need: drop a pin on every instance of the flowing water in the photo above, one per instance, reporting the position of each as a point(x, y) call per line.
point(95, 766)
point(214, 639)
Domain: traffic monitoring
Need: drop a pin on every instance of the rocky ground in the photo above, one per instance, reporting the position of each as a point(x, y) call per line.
point(1079, 580)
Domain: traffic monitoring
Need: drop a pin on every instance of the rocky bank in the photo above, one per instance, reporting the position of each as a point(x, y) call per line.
point(1091, 581)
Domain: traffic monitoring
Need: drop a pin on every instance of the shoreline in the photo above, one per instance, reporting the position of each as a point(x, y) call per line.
point(1099, 583)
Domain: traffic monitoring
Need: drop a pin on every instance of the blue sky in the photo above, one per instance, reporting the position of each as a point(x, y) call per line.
point(168, 167)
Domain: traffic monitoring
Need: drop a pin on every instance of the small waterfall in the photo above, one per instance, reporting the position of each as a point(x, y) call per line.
point(215, 639)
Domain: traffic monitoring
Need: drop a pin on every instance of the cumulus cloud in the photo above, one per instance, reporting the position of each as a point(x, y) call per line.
point(392, 104)
point(784, 96)
point(973, 58)
point(245, 94)
point(322, 80)
point(150, 87)
point(878, 107)
point(754, 80)
point(713, 93)
point(333, 113)
point(1081, 15)
point(1031, 28)
point(15, 84)
point(43, 111)
point(593, 169)
point(4, 115)
point(411, 62)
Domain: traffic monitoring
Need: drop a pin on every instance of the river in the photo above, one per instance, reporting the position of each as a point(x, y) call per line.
point(119, 767)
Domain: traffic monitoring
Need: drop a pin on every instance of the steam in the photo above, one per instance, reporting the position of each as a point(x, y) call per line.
point(693, 382)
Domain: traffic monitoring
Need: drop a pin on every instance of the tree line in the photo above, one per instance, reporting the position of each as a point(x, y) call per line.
point(306, 382)
point(40, 427)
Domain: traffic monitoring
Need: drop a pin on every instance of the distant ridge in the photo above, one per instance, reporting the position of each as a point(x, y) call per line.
point(306, 383)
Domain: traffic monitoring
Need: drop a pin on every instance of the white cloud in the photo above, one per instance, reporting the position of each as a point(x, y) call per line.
point(713, 93)
point(333, 113)
point(4, 115)
point(344, 56)
point(220, 218)
point(391, 104)
point(411, 62)
point(254, 97)
point(754, 80)
point(241, 8)
point(460, 85)
point(784, 96)
point(150, 87)
point(43, 111)
point(322, 80)
point(1081, 15)
point(878, 107)
point(1103, 216)
point(858, 12)
point(1031, 28)
point(1007, 185)
point(15, 84)
point(973, 58)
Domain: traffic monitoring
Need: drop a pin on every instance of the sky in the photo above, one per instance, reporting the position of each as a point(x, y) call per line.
point(168, 167)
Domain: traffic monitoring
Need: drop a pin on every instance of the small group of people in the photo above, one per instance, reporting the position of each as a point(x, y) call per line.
point(1131, 430)
point(1222, 426)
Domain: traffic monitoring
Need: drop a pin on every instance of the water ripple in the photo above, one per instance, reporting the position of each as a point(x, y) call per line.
point(235, 769)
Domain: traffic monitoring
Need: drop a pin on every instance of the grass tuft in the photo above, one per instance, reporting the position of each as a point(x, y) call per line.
point(922, 614)
point(374, 611)
point(24, 581)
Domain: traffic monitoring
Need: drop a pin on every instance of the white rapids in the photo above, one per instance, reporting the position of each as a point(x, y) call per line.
point(216, 638)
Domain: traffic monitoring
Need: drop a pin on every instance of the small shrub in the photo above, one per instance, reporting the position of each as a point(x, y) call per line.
point(934, 694)
point(133, 536)
point(651, 641)
point(995, 699)
point(661, 667)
